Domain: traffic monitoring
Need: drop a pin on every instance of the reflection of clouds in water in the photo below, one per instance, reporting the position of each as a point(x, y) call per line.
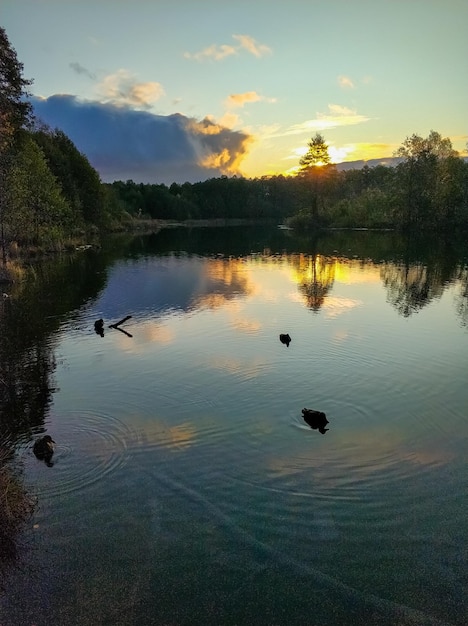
point(180, 436)
point(248, 326)
point(156, 433)
point(210, 301)
point(340, 335)
point(336, 305)
point(146, 335)
point(372, 452)
point(364, 455)
point(244, 370)
point(333, 306)
point(269, 294)
point(226, 277)
point(170, 284)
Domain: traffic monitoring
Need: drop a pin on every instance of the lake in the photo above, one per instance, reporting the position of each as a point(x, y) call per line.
point(186, 488)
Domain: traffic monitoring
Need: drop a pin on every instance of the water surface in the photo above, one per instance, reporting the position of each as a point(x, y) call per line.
point(186, 487)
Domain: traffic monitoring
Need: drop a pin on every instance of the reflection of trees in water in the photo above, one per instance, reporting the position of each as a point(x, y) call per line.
point(26, 367)
point(411, 287)
point(315, 275)
point(461, 300)
point(25, 390)
point(428, 265)
point(29, 318)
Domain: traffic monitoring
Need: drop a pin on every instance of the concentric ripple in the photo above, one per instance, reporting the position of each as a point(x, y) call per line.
point(89, 446)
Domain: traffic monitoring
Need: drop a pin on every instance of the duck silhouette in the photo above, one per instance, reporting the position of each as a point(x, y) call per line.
point(44, 448)
point(285, 339)
point(99, 327)
point(316, 420)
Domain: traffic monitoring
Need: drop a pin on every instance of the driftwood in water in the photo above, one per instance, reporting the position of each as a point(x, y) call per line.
point(99, 326)
point(117, 326)
point(121, 322)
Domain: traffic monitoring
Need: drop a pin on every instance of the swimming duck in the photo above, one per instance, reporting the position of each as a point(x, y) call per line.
point(99, 327)
point(44, 448)
point(316, 420)
point(286, 339)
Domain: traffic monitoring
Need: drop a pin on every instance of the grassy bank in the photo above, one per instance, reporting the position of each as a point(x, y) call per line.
point(16, 507)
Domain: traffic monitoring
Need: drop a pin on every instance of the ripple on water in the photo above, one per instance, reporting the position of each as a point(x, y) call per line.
point(89, 446)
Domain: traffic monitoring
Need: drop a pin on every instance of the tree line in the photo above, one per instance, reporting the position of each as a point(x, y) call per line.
point(426, 190)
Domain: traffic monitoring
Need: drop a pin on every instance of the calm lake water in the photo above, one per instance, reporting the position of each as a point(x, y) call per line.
point(186, 488)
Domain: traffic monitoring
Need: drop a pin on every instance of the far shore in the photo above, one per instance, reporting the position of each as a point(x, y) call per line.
point(157, 224)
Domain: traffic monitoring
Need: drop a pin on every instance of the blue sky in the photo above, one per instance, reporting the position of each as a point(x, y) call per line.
point(188, 89)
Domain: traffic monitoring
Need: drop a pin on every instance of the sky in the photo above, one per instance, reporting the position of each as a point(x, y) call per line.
point(163, 91)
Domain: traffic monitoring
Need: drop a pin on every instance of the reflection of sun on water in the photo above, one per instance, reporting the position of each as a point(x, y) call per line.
point(230, 284)
point(353, 272)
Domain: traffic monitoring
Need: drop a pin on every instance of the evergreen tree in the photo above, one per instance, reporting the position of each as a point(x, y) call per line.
point(315, 167)
point(15, 112)
point(316, 155)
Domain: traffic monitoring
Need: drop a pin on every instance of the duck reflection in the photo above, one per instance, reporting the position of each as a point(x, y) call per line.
point(316, 420)
point(44, 449)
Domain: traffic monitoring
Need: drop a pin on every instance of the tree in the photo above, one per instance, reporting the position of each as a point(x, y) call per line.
point(317, 154)
point(419, 174)
point(80, 182)
point(36, 209)
point(15, 112)
point(315, 166)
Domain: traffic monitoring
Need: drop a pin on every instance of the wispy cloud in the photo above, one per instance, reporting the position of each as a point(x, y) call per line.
point(79, 69)
point(248, 97)
point(337, 115)
point(213, 52)
point(345, 82)
point(123, 89)
point(219, 52)
point(248, 43)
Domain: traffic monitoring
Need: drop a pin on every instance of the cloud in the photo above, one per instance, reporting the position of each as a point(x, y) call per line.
point(122, 143)
point(249, 44)
point(218, 53)
point(337, 116)
point(79, 69)
point(345, 82)
point(122, 89)
point(239, 99)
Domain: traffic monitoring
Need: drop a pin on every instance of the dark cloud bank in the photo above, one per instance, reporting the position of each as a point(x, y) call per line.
point(123, 143)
